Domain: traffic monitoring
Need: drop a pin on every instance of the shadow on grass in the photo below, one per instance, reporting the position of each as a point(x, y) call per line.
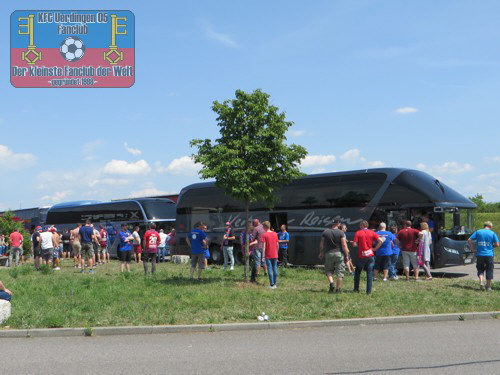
point(185, 281)
point(467, 287)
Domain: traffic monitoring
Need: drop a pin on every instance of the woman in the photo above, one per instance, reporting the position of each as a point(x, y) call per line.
point(425, 241)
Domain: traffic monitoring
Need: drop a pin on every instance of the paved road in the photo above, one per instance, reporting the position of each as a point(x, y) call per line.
point(462, 347)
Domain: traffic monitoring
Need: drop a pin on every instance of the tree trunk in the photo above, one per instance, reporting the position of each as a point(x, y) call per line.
point(247, 245)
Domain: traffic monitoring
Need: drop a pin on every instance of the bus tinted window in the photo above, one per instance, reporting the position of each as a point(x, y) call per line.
point(115, 211)
point(159, 210)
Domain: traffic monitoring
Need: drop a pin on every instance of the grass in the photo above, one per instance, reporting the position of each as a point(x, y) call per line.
point(67, 298)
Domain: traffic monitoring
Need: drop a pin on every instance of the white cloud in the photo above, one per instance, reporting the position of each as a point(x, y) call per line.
point(180, 166)
point(90, 149)
point(123, 167)
point(221, 38)
point(375, 164)
point(298, 133)
point(449, 167)
point(406, 110)
point(130, 150)
point(351, 156)
point(317, 160)
point(148, 192)
point(494, 159)
point(11, 160)
point(109, 182)
point(56, 197)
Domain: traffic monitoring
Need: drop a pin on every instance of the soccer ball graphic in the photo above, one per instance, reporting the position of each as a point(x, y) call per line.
point(72, 48)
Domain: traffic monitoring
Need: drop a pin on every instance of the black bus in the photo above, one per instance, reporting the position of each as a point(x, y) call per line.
point(31, 217)
point(133, 212)
point(308, 205)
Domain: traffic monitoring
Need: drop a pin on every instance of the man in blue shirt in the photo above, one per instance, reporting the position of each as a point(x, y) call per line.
point(485, 241)
point(197, 241)
point(283, 239)
point(126, 239)
point(384, 253)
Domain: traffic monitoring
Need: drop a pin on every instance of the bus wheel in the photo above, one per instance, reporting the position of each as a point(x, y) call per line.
point(216, 255)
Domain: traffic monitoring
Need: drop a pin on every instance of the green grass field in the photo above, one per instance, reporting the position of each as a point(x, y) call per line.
point(67, 298)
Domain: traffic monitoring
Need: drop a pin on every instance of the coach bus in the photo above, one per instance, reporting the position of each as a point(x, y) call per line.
point(133, 212)
point(31, 217)
point(309, 204)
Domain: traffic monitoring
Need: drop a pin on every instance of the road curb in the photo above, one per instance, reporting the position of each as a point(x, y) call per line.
point(203, 328)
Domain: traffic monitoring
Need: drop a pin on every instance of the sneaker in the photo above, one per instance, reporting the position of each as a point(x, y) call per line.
point(79, 266)
point(82, 271)
point(385, 279)
point(232, 268)
point(488, 288)
point(338, 291)
point(269, 287)
point(91, 271)
point(481, 286)
point(224, 268)
point(274, 287)
point(332, 289)
point(57, 269)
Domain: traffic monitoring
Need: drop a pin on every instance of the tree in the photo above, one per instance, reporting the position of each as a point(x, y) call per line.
point(250, 160)
point(7, 226)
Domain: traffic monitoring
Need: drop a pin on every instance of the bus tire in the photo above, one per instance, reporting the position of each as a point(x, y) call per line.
point(216, 256)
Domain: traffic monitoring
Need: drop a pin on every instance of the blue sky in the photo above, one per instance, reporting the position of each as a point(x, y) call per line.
point(367, 84)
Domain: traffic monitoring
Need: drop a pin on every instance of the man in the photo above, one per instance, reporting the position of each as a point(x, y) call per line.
point(103, 245)
point(47, 246)
point(384, 253)
point(137, 245)
point(363, 240)
point(57, 245)
point(76, 245)
point(97, 238)
point(35, 246)
point(333, 243)
point(204, 228)
point(66, 240)
point(162, 251)
point(5, 293)
point(408, 243)
point(485, 242)
point(227, 246)
point(16, 246)
point(284, 239)
point(197, 241)
point(87, 238)
point(151, 241)
point(256, 256)
point(126, 239)
point(270, 246)
point(171, 242)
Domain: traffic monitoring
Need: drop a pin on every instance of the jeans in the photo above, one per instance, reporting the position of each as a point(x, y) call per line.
point(17, 252)
point(3, 250)
point(162, 253)
point(272, 270)
point(283, 256)
point(5, 296)
point(367, 265)
point(256, 259)
point(149, 257)
point(228, 252)
point(392, 266)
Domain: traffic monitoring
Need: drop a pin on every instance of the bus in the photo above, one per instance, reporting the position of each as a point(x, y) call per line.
point(309, 204)
point(133, 212)
point(31, 217)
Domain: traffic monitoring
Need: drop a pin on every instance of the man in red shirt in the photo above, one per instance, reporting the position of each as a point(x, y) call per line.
point(16, 246)
point(363, 240)
point(270, 253)
point(150, 244)
point(408, 243)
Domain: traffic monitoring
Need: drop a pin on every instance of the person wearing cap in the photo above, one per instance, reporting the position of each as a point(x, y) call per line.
point(126, 239)
point(46, 246)
point(256, 257)
point(227, 246)
point(333, 243)
point(35, 246)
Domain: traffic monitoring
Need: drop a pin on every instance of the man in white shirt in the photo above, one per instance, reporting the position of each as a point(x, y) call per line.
point(47, 245)
point(162, 252)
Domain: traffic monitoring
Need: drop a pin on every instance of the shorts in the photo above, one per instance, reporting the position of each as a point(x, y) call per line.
point(125, 256)
point(56, 252)
point(77, 248)
point(137, 249)
point(198, 259)
point(409, 257)
point(37, 252)
point(96, 248)
point(103, 249)
point(382, 262)
point(334, 263)
point(47, 254)
point(87, 250)
point(485, 264)
point(207, 254)
point(256, 257)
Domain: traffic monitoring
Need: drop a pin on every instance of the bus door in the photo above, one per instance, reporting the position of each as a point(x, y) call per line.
point(277, 219)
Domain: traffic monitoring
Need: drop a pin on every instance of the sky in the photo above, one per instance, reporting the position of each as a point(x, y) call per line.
point(366, 83)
